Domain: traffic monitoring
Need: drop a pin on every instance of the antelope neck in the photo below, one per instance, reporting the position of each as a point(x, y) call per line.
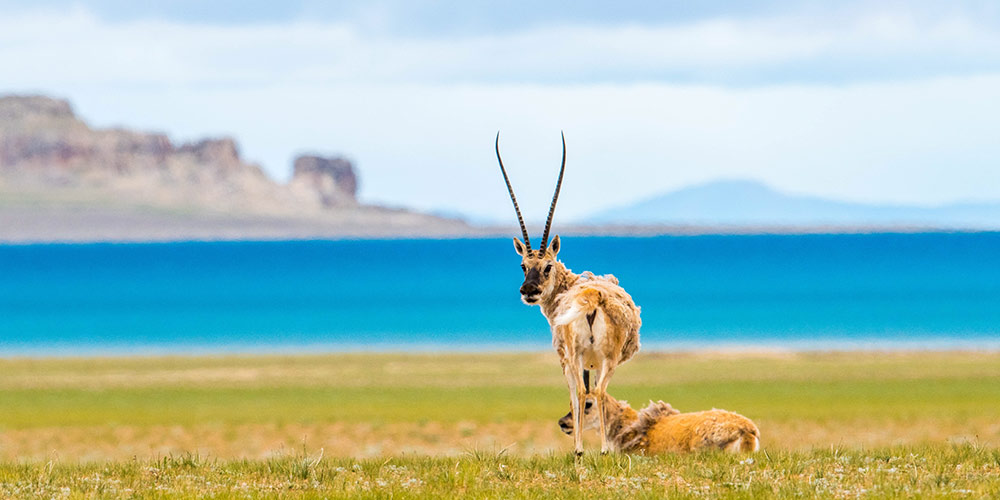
point(564, 279)
point(619, 418)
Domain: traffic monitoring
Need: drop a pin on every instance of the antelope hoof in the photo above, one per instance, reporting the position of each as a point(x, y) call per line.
point(604, 452)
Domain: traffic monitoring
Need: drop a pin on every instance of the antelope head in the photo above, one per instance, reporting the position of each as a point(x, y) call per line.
point(540, 266)
point(589, 418)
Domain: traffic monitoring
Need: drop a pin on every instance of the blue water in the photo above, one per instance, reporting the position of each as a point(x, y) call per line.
point(812, 291)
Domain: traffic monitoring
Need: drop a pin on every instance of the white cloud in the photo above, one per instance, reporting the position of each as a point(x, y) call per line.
point(419, 115)
point(77, 47)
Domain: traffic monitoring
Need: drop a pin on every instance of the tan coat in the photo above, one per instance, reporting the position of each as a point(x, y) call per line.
point(659, 428)
point(597, 316)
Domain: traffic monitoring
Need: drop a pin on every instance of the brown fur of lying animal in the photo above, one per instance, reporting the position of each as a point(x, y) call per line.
point(659, 428)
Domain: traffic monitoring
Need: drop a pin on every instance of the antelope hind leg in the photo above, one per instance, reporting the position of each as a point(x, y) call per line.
point(600, 389)
point(581, 400)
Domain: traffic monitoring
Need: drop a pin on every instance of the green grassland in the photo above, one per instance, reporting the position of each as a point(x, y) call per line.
point(957, 471)
point(833, 425)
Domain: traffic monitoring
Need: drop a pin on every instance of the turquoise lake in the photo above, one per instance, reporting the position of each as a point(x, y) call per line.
point(932, 290)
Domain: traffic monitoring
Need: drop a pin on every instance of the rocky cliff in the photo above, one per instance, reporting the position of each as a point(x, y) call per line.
point(43, 144)
point(49, 155)
point(329, 181)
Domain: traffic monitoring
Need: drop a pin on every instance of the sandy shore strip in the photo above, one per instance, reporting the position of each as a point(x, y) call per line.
point(370, 405)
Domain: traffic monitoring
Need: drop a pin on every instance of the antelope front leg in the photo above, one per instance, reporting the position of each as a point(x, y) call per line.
point(600, 389)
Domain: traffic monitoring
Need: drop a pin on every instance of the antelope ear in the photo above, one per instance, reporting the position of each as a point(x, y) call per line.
point(520, 248)
point(554, 246)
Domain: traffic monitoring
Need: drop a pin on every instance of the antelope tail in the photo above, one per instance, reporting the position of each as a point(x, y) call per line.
point(746, 442)
point(584, 305)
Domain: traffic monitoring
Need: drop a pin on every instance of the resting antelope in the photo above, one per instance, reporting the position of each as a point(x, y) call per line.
point(659, 428)
point(594, 322)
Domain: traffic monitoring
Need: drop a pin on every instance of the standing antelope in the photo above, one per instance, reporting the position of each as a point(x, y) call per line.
point(594, 322)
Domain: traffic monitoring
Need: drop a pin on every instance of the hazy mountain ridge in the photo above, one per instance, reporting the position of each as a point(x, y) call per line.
point(749, 203)
point(61, 179)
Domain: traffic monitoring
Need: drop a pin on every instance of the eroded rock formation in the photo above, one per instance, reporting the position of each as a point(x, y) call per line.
point(44, 145)
point(331, 180)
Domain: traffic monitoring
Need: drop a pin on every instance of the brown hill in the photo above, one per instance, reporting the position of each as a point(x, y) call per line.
point(60, 179)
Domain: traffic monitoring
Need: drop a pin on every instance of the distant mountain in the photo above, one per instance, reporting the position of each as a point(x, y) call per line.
point(749, 203)
point(61, 179)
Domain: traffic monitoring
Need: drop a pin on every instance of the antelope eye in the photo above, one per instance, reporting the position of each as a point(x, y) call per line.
point(548, 268)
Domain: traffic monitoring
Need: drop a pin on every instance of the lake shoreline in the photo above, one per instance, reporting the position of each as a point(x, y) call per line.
point(89, 225)
point(431, 349)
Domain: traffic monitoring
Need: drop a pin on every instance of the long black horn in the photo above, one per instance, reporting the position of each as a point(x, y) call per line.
point(520, 220)
point(555, 197)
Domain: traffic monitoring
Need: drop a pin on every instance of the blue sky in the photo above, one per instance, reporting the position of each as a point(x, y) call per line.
point(891, 102)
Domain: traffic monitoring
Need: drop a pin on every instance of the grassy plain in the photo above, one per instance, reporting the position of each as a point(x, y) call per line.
point(832, 424)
